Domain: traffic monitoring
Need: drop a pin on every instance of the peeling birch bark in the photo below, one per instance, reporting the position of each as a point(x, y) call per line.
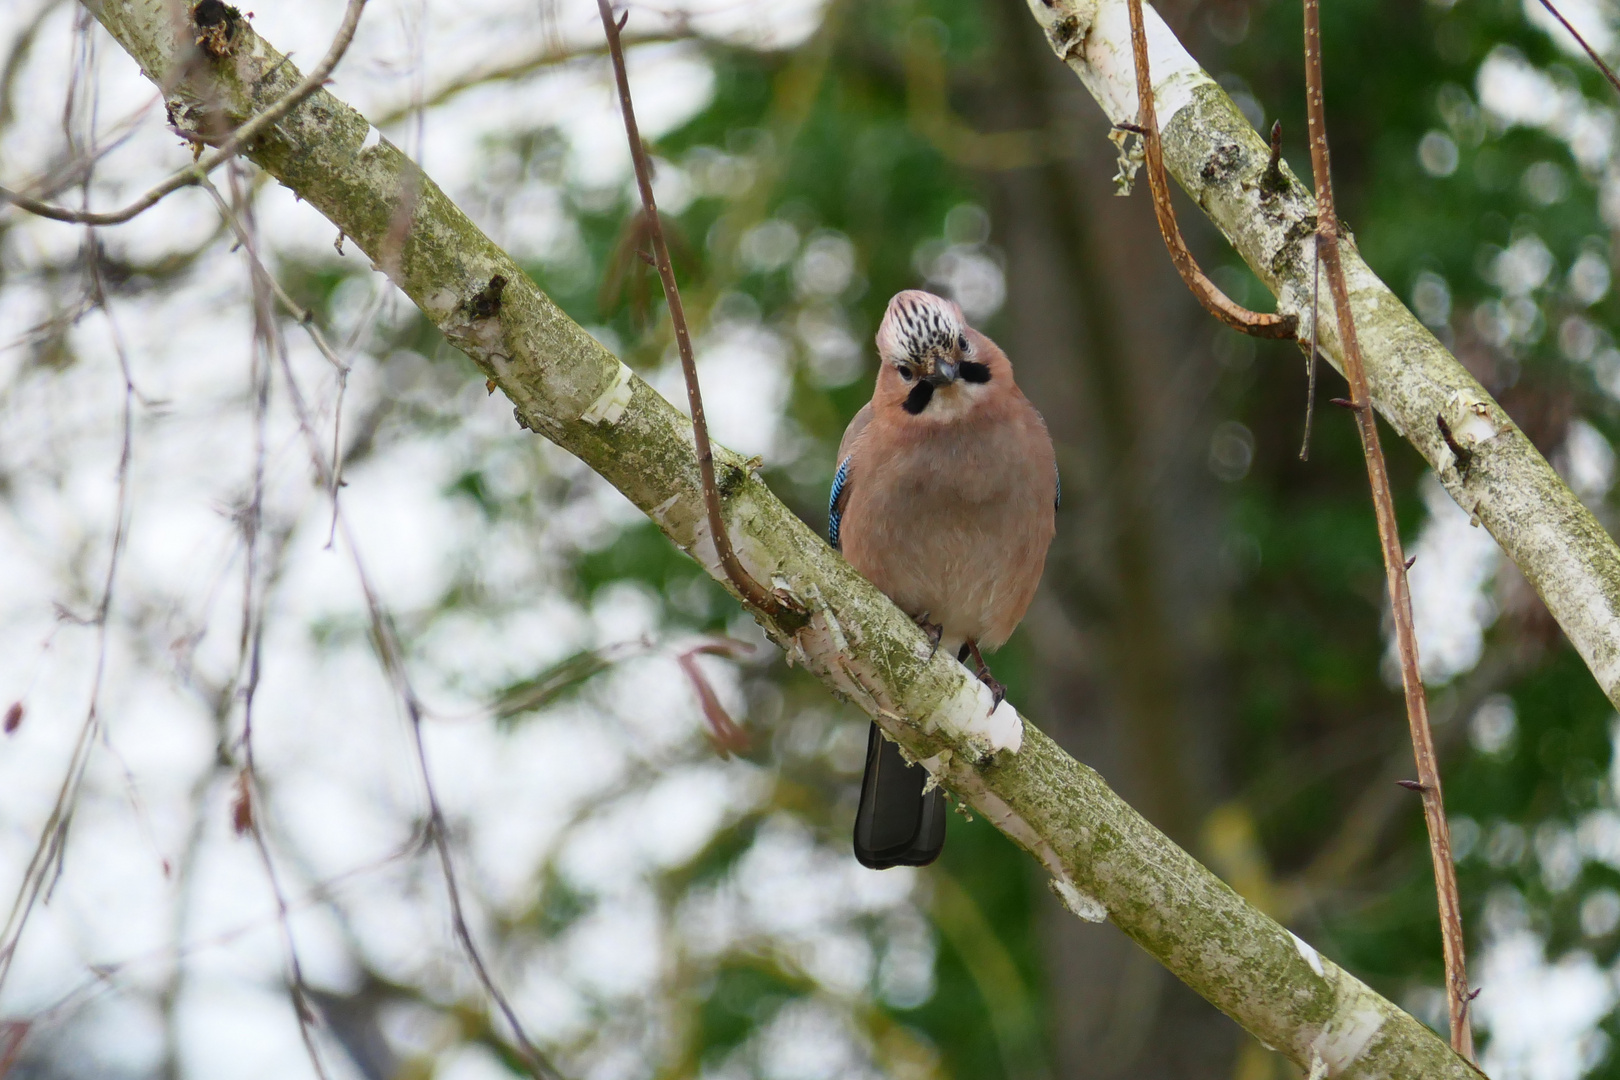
point(1220, 161)
point(1104, 858)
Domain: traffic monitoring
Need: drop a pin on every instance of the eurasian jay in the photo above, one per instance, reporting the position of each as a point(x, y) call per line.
point(944, 498)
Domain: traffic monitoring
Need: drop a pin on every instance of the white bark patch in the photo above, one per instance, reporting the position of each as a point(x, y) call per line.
point(611, 403)
point(1312, 957)
point(662, 512)
point(972, 713)
point(1085, 907)
point(1094, 38)
point(1006, 728)
point(1345, 1037)
point(1476, 428)
point(440, 303)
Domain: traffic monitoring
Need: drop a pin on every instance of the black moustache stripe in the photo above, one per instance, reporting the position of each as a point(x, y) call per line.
point(973, 372)
point(918, 399)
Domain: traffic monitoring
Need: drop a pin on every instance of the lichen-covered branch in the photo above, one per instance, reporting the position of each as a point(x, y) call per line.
point(1421, 389)
point(1104, 858)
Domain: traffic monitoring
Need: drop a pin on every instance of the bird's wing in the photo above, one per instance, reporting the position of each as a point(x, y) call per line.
point(840, 485)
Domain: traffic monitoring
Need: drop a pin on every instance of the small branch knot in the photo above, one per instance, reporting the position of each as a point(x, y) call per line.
point(1272, 181)
point(1464, 456)
point(486, 303)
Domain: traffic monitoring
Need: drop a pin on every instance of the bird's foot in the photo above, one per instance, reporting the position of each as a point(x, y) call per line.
point(933, 630)
point(998, 691)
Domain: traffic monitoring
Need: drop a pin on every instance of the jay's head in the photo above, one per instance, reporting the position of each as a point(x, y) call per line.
point(935, 366)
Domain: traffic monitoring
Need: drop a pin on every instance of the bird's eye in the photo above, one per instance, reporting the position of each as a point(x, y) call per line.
point(961, 342)
point(906, 373)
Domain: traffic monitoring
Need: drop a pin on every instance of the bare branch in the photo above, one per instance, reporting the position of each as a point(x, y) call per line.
point(1400, 596)
point(239, 138)
point(1216, 302)
point(751, 590)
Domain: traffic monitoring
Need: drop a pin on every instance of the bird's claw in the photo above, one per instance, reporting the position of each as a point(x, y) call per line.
point(933, 630)
point(998, 692)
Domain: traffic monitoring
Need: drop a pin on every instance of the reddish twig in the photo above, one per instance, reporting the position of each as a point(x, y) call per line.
point(239, 138)
point(1400, 597)
point(1608, 72)
point(12, 1034)
point(752, 592)
point(724, 733)
point(1216, 302)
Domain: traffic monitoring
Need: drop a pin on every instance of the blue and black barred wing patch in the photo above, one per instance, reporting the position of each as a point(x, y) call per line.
point(835, 513)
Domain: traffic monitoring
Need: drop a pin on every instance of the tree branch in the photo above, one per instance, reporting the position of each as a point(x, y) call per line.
point(1389, 537)
point(1270, 218)
point(1103, 857)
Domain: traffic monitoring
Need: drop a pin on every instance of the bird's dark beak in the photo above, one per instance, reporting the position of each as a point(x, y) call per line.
point(944, 373)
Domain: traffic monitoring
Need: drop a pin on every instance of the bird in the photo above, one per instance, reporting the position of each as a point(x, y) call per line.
point(945, 498)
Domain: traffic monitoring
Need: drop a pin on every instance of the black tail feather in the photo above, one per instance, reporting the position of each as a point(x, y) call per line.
point(897, 822)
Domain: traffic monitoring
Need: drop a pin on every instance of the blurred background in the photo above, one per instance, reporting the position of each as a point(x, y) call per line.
point(1212, 633)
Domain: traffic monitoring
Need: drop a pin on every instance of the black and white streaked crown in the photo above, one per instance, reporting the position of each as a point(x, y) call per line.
point(919, 324)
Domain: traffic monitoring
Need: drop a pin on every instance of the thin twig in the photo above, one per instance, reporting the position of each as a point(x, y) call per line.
point(1216, 302)
point(391, 655)
point(301, 315)
point(751, 590)
point(1608, 72)
point(305, 318)
point(551, 55)
point(1400, 597)
point(46, 865)
point(240, 137)
point(322, 891)
point(267, 342)
point(21, 46)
